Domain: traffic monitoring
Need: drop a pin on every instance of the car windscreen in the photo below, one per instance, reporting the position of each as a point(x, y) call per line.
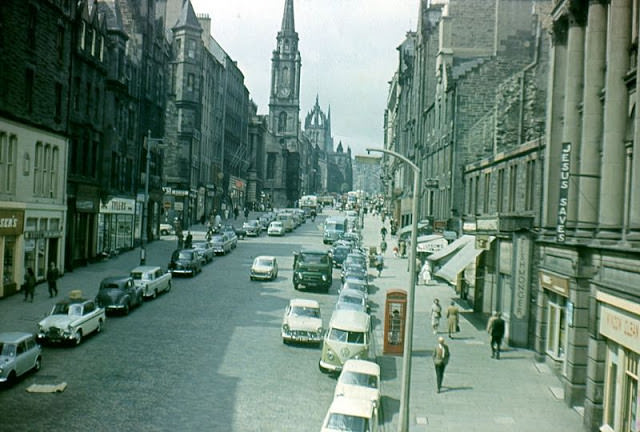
point(302, 311)
point(314, 258)
point(344, 422)
point(7, 349)
point(136, 275)
point(347, 336)
point(264, 262)
point(60, 309)
point(334, 226)
point(359, 379)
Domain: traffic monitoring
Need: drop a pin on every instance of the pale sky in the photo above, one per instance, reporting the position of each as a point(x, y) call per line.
point(348, 51)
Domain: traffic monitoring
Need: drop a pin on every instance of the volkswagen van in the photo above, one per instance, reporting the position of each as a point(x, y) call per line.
point(348, 337)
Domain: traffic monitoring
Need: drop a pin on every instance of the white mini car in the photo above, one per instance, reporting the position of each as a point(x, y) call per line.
point(276, 228)
point(359, 379)
point(19, 354)
point(302, 322)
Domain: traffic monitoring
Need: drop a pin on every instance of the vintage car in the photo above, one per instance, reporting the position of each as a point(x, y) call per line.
point(240, 233)
point(185, 261)
point(338, 253)
point(252, 227)
point(355, 271)
point(351, 414)
point(221, 243)
point(152, 279)
point(19, 354)
point(302, 322)
point(352, 299)
point(276, 228)
point(206, 251)
point(71, 320)
point(119, 294)
point(264, 267)
point(166, 229)
point(356, 284)
point(359, 379)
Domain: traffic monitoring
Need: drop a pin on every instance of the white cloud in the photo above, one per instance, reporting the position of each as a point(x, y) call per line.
point(348, 50)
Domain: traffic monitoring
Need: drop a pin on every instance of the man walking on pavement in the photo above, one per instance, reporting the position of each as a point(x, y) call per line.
point(497, 333)
point(440, 361)
point(52, 277)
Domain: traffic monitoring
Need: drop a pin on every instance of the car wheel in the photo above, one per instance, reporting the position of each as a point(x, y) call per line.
point(99, 328)
point(11, 379)
point(77, 338)
point(169, 286)
point(38, 365)
point(164, 232)
point(155, 294)
point(295, 286)
point(127, 308)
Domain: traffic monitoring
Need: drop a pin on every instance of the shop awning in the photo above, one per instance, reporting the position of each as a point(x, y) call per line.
point(458, 262)
point(452, 247)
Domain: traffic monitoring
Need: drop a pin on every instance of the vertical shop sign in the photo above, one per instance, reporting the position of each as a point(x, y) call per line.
point(563, 196)
point(522, 276)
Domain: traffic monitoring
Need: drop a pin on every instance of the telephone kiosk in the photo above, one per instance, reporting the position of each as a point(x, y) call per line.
point(395, 313)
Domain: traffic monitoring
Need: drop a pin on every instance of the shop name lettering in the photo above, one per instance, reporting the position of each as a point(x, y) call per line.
point(629, 328)
point(522, 280)
point(9, 222)
point(563, 196)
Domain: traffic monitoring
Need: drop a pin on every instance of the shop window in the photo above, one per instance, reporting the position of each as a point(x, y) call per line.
point(630, 398)
point(557, 329)
point(8, 269)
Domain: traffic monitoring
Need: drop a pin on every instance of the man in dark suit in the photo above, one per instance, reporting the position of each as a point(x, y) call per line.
point(440, 360)
point(497, 333)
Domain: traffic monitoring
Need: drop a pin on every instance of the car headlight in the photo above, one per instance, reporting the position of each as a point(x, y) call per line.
point(324, 278)
point(330, 355)
point(299, 275)
point(285, 327)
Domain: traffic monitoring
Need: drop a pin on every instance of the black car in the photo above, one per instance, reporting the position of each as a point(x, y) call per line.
point(338, 253)
point(119, 294)
point(252, 228)
point(355, 271)
point(239, 232)
point(185, 261)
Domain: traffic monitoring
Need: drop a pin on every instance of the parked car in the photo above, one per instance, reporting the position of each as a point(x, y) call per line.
point(338, 253)
point(264, 267)
point(355, 271)
point(252, 227)
point(351, 414)
point(119, 294)
point(71, 320)
point(185, 261)
point(352, 299)
point(167, 229)
point(232, 233)
point(19, 354)
point(357, 285)
point(221, 243)
point(359, 379)
point(238, 232)
point(276, 228)
point(302, 322)
point(205, 249)
point(152, 279)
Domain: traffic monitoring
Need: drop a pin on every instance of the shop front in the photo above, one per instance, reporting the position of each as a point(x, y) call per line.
point(556, 305)
point(116, 223)
point(11, 271)
point(43, 237)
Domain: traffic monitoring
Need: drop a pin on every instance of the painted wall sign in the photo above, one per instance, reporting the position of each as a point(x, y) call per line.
point(620, 326)
point(522, 275)
point(554, 283)
point(11, 222)
point(563, 195)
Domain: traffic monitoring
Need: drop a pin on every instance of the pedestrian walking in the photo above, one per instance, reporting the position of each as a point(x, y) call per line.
point(383, 246)
point(246, 213)
point(52, 276)
point(379, 263)
point(236, 213)
point(441, 356)
point(436, 313)
point(188, 242)
point(383, 232)
point(29, 284)
point(425, 273)
point(453, 315)
point(497, 333)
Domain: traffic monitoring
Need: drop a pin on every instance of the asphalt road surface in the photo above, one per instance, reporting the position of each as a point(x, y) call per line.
point(206, 356)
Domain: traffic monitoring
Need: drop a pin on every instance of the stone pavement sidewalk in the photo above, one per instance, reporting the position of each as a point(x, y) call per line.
point(479, 393)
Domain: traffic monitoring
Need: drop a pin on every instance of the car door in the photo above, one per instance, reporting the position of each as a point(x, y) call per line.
point(22, 358)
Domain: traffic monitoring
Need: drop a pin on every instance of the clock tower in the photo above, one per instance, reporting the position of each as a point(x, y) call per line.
point(284, 100)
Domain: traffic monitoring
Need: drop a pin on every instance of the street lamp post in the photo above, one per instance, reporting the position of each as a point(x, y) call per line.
point(145, 211)
point(408, 329)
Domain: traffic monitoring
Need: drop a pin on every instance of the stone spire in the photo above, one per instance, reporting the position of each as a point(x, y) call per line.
point(288, 24)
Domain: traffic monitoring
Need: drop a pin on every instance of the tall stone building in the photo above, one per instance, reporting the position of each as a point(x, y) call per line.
point(35, 58)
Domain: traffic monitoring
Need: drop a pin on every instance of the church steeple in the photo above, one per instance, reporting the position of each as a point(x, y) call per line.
point(288, 24)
